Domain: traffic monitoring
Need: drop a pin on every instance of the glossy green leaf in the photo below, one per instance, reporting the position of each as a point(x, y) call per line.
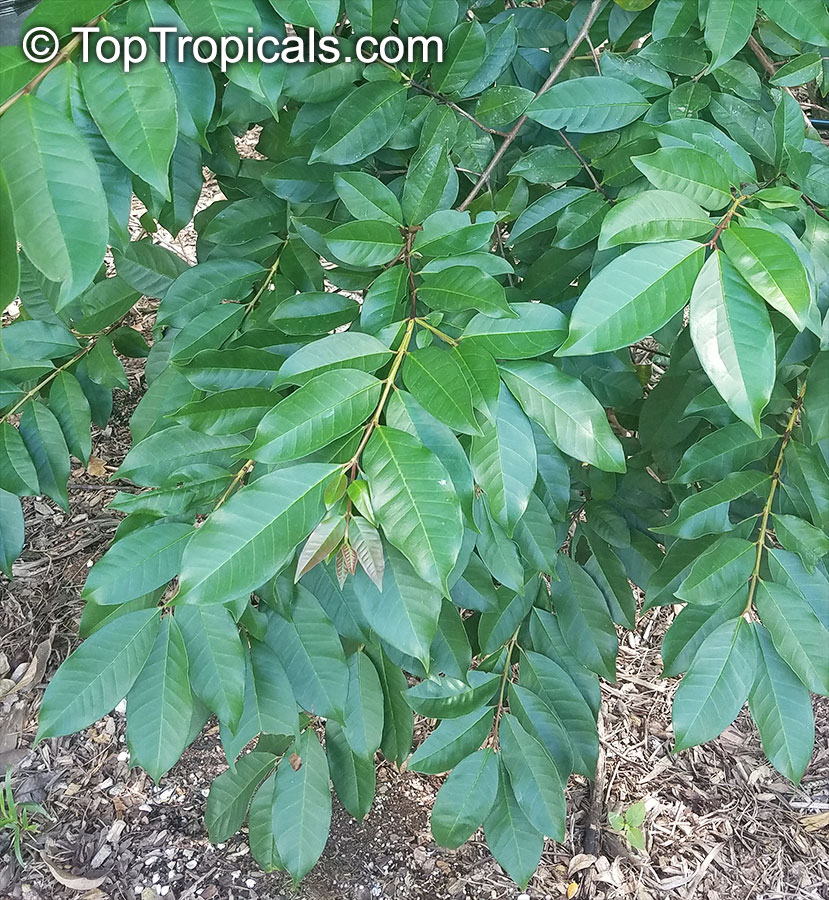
point(253, 536)
point(537, 329)
point(773, 269)
point(633, 297)
point(733, 337)
point(728, 25)
point(158, 702)
point(327, 407)
point(465, 799)
point(588, 105)
point(463, 287)
point(98, 675)
point(451, 742)
point(653, 217)
point(231, 793)
point(717, 684)
point(687, 171)
point(60, 209)
point(567, 412)
point(798, 635)
point(414, 503)
point(436, 380)
point(302, 807)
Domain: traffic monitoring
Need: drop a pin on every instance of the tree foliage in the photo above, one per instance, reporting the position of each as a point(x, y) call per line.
point(566, 288)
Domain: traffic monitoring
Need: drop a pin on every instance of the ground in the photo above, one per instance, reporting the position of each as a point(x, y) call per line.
point(721, 823)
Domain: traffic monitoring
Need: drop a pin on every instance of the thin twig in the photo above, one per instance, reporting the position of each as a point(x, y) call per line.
point(569, 53)
point(458, 109)
point(585, 165)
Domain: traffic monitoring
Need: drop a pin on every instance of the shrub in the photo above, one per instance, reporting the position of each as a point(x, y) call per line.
point(574, 295)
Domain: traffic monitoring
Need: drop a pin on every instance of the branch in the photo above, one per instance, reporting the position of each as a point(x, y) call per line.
point(458, 109)
point(775, 480)
point(569, 53)
point(585, 165)
point(63, 55)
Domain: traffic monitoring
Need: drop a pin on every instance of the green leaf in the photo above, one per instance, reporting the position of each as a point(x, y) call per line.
point(17, 471)
point(504, 462)
point(499, 553)
point(501, 105)
point(534, 778)
point(772, 267)
point(327, 407)
point(451, 742)
point(547, 679)
point(687, 171)
point(712, 693)
point(319, 14)
point(431, 184)
point(728, 25)
point(653, 217)
point(800, 70)
point(405, 413)
point(543, 214)
point(207, 330)
point(461, 59)
point(202, 287)
point(60, 209)
point(607, 570)
point(733, 337)
point(309, 648)
point(138, 563)
point(465, 799)
point(227, 412)
point(302, 807)
point(798, 635)
point(47, 448)
point(537, 329)
point(363, 706)
point(9, 258)
point(691, 627)
point(437, 382)
point(405, 612)
point(136, 113)
point(448, 233)
point(216, 660)
point(366, 243)
point(511, 839)
point(811, 544)
point(254, 535)
point(725, 450)
point(269, 706)
point(98, 675)
point(584, 619)
point(547, 165)
point(158, 702)
point(362, 124)
point(415, 505)
point(354, 776)
point(588, 105)
point(231, 793)
point(633, 297)
point(807, 20)
point(464, 287)
point(398, 720)
point(782, 710)
point(450, 698)
point(719, 571)
point(348, 350)
point(539, 720)
point(11, 532)
point(366, 197)
point(567, 412)
point(706, 512)
point(260, 827)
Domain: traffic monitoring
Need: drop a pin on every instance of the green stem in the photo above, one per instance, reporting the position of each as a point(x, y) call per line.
point(775, 480)
point(436, 331)
point(499, 710)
